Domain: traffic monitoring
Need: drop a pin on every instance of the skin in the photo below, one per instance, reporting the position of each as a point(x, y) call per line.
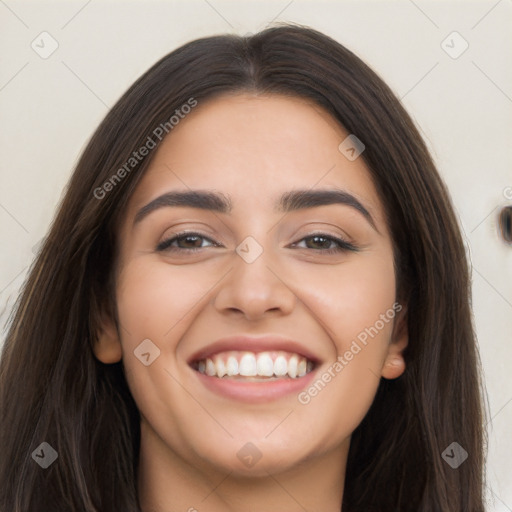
point(252, 148)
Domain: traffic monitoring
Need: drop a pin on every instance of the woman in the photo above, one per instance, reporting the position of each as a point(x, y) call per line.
point(254, 294)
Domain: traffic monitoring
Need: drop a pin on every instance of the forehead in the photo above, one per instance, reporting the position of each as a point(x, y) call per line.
point(253, 148)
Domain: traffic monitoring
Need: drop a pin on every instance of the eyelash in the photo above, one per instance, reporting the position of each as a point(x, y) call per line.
point(343, 245)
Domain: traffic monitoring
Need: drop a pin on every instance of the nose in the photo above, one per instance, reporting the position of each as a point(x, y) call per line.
point(255, 289)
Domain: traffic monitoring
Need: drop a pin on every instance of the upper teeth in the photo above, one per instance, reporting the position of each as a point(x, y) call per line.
point(249, 364)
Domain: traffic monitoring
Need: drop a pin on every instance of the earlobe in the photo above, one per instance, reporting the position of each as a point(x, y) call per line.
point(394, 364)
point(107, 347)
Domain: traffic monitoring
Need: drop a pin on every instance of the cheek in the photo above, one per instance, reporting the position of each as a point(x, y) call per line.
point(155, 302)
point(355, 305)
point(349, 298)
point(153, 297)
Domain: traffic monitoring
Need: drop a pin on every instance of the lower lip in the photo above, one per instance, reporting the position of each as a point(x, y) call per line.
point(255, 392)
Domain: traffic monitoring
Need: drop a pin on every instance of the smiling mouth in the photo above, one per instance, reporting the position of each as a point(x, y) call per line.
point(251, 366)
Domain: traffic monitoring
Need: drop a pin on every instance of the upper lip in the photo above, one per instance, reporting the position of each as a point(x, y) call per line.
point(265, 343)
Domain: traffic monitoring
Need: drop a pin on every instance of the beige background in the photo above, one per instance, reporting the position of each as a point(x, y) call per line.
point(50, 106)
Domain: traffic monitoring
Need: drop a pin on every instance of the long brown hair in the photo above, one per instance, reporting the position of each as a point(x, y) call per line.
point(53, 389)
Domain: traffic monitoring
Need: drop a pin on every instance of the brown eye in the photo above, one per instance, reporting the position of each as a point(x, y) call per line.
point(184, 241)
point(318, 242)
point(325, 243)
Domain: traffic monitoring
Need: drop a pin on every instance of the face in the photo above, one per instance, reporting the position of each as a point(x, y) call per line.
point(258, 315)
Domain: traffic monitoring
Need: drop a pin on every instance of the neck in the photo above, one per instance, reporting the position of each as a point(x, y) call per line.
point(168, 483)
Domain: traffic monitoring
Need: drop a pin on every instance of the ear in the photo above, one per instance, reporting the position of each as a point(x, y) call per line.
point(107, 347)
point(394, 364)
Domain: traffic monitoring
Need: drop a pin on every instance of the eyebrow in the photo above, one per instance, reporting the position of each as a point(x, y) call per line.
point(288, 202)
